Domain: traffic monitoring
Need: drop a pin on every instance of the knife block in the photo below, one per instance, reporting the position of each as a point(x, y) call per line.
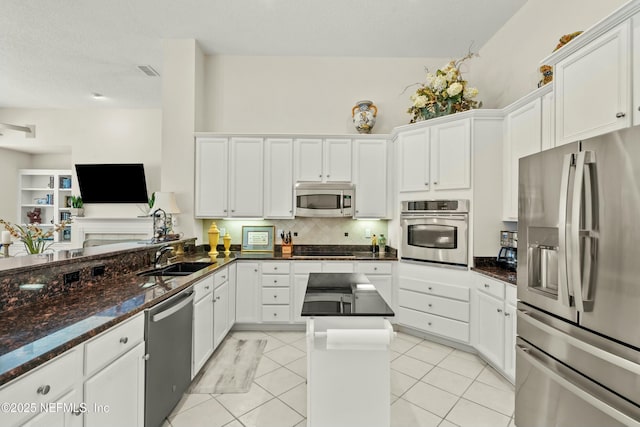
point(287, 249)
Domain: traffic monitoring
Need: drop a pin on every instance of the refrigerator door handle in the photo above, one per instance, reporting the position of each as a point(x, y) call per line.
point(562, 376)
point(575, 269)
point(564, 293)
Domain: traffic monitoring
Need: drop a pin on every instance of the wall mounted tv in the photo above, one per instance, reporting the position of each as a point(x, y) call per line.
point(112, 183)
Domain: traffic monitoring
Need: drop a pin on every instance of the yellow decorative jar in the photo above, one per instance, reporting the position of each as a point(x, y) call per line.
point(214, 236)
point(227, 244)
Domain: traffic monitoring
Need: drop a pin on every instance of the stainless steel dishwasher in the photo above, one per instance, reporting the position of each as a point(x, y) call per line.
point(168, 331)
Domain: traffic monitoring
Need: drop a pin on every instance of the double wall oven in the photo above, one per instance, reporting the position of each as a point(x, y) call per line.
point(435, 231)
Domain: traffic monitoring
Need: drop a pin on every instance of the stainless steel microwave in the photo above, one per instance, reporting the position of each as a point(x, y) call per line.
point(324, 200)
point(435, 231)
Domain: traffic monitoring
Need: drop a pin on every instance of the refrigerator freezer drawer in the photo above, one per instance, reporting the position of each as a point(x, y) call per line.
point(550, 394)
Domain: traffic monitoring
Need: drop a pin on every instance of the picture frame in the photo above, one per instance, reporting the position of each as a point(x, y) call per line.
point(257, 238)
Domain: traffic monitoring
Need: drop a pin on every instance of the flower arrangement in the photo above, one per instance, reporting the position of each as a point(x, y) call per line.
point(35, 239)
point(444, 92)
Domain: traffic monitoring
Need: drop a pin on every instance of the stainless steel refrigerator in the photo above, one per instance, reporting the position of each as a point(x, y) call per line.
point(578, 326)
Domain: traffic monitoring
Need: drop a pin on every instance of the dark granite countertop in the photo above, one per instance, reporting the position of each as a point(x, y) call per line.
point(343, 294)
point(489, 266)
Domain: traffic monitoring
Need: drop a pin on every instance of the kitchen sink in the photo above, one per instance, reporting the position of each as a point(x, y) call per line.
point(177, 269)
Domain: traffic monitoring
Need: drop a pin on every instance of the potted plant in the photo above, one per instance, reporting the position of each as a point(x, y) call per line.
point(77, 206)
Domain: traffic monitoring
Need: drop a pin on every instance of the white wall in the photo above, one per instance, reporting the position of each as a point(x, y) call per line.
point(10, 162)
point(508, 65)
point(95, 136)
point(307, 94)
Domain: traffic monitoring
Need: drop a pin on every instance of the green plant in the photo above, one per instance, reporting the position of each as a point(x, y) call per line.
point(152, 199)
point(35, 239)
point(76, 202)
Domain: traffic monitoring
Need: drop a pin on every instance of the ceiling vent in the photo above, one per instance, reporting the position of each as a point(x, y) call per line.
point(148, 70)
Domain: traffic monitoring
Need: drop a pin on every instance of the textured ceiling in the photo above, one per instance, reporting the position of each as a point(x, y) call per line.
point(55, 54)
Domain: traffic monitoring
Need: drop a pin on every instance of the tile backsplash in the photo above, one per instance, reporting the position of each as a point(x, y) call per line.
point(311, 231)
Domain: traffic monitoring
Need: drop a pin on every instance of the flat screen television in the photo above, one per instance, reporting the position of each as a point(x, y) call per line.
point(112, 183)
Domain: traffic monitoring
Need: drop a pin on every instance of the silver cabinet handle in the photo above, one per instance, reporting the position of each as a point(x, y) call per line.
point(435, 182)
point(426, 183)
point(233, 210)
point(319, 176)
point(275, 281)
point(290, 210)
point(206, 287)
point(77, 412)
point(275, 296)
point(375, 268)
point(275, 268)
point(429, 323)
point(486, 286)
point(124, 340)
point(430, 288)
point(255, 269)
point(44, 389)
point(620, 115)
point(507, 314)
point(429, 305)
point(275, 314)
point(328, 176)
point(145, 357)
point(224, 210)
point(224, 277)
point(217, 298)
point(499, 310)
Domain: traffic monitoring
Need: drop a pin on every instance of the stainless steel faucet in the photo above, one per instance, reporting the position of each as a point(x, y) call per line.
point(159, 231)
point(163, 250)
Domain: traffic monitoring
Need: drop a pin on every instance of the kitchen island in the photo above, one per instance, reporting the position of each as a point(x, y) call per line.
point(348, 351)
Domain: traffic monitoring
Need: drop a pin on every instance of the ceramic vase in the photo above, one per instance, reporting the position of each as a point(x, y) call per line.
point(364, 116)
point(214, 236)
point(227, 244)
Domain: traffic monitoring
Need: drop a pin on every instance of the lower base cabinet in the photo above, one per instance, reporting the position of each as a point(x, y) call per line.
point(220, 313)
point(115, 395)
point(68, 414)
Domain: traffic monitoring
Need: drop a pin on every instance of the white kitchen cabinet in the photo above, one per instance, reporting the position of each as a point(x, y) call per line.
point(434, 300)
point(65, 412)
point(371, 178)
point(380, 274)
point(322, 160)
point(247, 289)
point(276, 292)
point(232, 295)
point(522, 137)
point(635, 43)
point(220, 313)
point(593, 87)
point(119, 390)
point(451, 155)
point(301, 271)
point(495, 323)
point(278, 178)
point(245, 177)
point(548, 121)
point(203, 323)
point(437, 157)
point(211, 191)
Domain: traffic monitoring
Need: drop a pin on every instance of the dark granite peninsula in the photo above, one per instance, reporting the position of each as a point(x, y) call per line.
point(490, 267)
point(343, 294)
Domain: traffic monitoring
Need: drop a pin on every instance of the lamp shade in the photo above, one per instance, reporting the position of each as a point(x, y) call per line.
point(166, 200)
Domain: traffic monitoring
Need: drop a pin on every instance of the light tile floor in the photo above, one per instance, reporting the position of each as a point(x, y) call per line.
point(431, 385)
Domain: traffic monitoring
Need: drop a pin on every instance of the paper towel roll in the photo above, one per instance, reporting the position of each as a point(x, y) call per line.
point(358, 339)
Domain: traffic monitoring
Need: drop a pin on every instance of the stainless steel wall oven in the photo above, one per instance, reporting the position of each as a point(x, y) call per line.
point(435, 231)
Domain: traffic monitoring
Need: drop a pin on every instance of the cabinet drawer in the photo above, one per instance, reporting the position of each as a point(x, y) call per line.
point(445, 307)
point(275, 280)
point(307, 267)
point(116, 341)
point(490, 286)
point(55, 377)
point(275, 313)
point(337, 267)
point(202, 288)
point(449, 328)
point(220, 277)
point(275, 295)
point(275, 268)
point(432, 288)
point(373, 268)
point(511, 294)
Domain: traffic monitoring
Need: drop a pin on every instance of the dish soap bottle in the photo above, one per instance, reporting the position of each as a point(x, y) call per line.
point(382, 243)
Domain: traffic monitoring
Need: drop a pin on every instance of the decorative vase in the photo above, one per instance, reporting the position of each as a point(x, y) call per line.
point(227, 244)
point(214, 236)
point(364, 116)
point(77, 211)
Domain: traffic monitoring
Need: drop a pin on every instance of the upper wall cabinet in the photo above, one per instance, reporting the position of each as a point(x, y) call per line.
point(371, 178)
point(436, 157)
point(278, 178)
point(522, 137)
point(593, 87)
point(635, 43)
point(211, 177)
point(245, 175)
point(322, 160)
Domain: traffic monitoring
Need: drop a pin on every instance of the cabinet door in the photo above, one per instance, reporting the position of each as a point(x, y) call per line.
point(414, 160)
point(202, 333)
point(337, 160)
point(593, 88)
point(635, 106)
point(247, 288)
point(491, 328)
point(118, 388)
point(522, 138)
point(451, 155)
point(232, 295)
point(548, 122)
point(308, 159)
point(510, 341)
point(299, 289)
point(278, 178)
point(211, 177)
point(221, 313)
point(66, 412)
point(384, 286)
point(371, 178)
point(245, 177)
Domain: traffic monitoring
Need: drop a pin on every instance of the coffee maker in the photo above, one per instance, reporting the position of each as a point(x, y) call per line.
point(508, 255)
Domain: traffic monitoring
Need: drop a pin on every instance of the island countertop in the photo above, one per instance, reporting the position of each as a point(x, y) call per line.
point(343, 294)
